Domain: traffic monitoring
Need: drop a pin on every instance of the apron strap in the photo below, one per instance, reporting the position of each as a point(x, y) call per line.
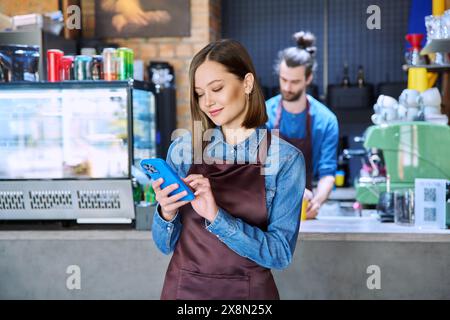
point(278, 114)
point(263, 148)
point(308, 121)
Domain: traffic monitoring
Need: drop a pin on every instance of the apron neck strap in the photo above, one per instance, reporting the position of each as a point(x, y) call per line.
point(279, 112)
point(263, 148)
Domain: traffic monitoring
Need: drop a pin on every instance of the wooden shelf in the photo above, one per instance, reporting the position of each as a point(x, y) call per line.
point(429, 67)
point(436, 45)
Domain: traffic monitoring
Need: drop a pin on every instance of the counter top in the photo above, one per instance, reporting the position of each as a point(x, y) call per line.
point(367, 229)
point(76, 235)
point(327, 228)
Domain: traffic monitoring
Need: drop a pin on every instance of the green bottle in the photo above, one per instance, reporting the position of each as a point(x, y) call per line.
point(137, 191)
point(149, 194)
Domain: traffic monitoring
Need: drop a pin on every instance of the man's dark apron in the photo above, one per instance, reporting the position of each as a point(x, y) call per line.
point(203, 267)
point(303, 144)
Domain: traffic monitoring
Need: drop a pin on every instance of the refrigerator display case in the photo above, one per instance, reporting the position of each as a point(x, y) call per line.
point(67, 148)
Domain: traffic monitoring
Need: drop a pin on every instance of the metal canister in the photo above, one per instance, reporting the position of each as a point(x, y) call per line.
point(83, 67)
point(130, 63)
point(125, 68)
point(121, 67)
point(109, 64)
point(54, 57)
point(122, 70)
point(97, 67)
point(67, 70)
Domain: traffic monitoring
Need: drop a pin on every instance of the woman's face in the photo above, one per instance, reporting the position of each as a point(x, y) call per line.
point(221, 95)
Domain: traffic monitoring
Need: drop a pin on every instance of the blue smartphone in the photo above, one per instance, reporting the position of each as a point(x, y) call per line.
point(158, 168)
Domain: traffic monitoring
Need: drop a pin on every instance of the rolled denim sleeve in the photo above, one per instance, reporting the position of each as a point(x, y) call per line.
point(223, 226)
point(273, 248)
point(166, 233)
point(328, 153)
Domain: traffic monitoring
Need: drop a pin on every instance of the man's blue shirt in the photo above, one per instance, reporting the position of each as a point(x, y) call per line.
point(324, 131)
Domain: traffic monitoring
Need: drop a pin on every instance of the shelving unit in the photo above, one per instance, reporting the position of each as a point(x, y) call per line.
point(430, 67)
point(438, 45)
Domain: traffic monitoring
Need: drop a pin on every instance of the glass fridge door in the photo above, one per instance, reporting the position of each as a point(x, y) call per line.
point(144, 125)
point(64, 133)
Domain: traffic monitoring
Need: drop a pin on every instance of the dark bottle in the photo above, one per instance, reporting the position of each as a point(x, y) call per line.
point(360, 77)
point(137, 191)
point(346, 78)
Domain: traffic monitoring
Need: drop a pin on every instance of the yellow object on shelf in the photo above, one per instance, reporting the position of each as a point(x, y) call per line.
point(438, 7)
point(305, 203)
point(420, 79)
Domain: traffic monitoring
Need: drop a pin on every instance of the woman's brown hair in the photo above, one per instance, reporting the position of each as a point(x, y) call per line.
point(236, 60)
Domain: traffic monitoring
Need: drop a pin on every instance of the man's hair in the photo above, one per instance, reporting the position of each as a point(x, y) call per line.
point(301, 55)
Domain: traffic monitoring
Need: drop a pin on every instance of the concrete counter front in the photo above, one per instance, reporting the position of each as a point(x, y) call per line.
point(336, 258)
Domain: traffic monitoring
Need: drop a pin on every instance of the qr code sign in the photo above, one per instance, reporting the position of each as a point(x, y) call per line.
point(430, 194)
point(429, 214)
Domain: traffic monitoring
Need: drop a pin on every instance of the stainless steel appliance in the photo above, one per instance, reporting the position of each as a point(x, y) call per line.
point(162, 81)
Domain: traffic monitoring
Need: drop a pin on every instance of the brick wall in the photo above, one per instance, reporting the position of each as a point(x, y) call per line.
point(178, 51)
point(18, 7)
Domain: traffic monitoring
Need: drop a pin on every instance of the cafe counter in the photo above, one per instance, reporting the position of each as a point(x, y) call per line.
point(336, 258)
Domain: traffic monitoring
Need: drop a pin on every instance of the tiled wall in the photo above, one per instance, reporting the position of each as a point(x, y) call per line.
point(380, 52)
point(266, 26)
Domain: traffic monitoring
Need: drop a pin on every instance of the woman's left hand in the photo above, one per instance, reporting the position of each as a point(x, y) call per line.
point(204, 203)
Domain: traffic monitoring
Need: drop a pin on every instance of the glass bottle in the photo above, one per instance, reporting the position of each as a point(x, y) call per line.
point(360, 77)
point(137, 191)
point(346, 78)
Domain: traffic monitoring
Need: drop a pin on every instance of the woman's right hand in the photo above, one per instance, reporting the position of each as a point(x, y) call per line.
point(169, 204)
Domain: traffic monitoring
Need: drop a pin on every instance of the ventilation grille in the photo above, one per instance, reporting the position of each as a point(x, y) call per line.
point(50, 199)
point(12, 200)
point(99, 199)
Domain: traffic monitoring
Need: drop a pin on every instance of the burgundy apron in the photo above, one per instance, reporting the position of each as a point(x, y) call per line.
point(202, 267)
point(303, 144)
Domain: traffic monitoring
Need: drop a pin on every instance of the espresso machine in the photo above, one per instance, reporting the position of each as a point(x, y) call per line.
point(410, 150)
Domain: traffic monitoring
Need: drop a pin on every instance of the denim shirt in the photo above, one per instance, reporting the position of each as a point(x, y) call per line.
point(284, 185)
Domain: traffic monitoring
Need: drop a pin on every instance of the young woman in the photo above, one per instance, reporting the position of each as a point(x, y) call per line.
point(242, 222)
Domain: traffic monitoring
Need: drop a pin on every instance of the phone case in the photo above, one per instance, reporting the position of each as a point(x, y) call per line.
point(158, 168)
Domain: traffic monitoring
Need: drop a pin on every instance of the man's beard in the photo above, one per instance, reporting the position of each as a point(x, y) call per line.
point(291, 96)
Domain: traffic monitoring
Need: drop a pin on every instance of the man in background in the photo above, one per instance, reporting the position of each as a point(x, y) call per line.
point(303, 121)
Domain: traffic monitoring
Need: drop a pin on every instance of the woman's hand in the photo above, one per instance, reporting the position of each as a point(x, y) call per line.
point(169, 204)
point(204, 203)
